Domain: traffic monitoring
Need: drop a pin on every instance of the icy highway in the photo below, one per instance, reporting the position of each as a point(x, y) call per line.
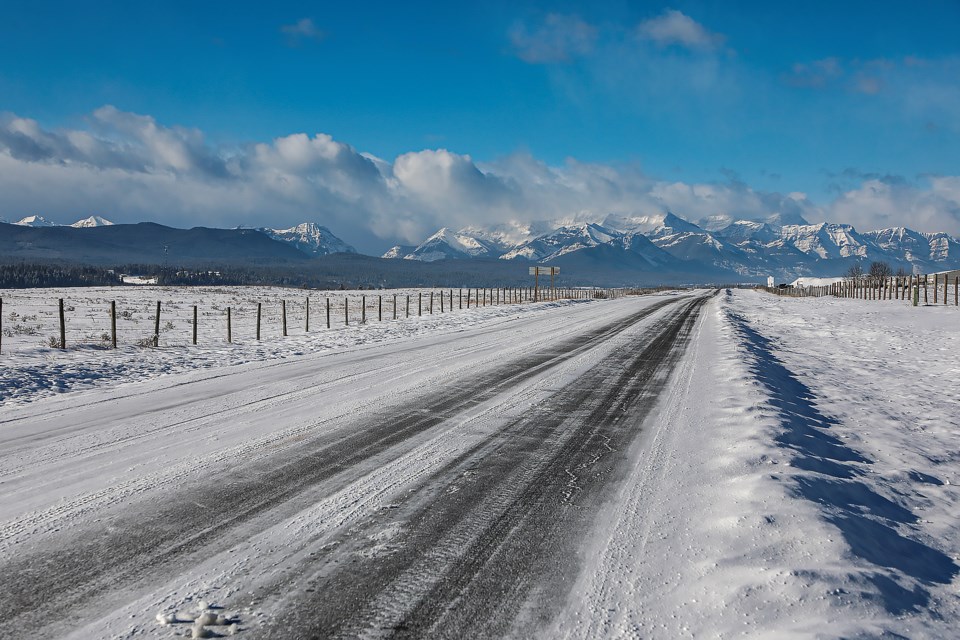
point(447, 486)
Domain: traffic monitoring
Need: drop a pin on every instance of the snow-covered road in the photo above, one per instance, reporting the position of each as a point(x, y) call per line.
point(440, 484)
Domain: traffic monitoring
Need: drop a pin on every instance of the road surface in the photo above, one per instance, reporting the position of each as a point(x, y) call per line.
point(441, 487)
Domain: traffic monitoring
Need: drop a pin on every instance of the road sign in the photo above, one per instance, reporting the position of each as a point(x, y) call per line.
point(536, 272)
point(544, 271)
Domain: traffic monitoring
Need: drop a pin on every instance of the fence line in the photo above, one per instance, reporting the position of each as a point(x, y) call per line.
point(929, 289)
point(104, 323)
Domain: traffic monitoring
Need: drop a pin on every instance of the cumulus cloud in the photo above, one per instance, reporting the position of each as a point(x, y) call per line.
point(675, 28)
point(933, 205)
point(129, 168)
point(559, 38)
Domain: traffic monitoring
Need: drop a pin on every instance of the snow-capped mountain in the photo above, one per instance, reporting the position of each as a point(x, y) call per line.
point(747, 231)
point(724, 244)
point(720, 247)
point(562, 241)
point(915, 246)
point(398, 251)
point(942, 246)
point(912, 245)
point(507, 235)
point(826, 240)
point(35, 221)
point(310, 238)
point(446, 244)
point(92, 221)
point(642, 246)
point(653, 226)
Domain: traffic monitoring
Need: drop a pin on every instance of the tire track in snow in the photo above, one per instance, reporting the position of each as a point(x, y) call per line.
point(41, 584)
point(78, 455)
point(493, 548)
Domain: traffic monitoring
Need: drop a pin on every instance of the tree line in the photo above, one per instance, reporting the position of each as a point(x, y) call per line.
point(878, 271)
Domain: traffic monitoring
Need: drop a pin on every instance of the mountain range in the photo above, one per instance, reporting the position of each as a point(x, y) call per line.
point(714, 247)
point(308, 238)
point(612, 250)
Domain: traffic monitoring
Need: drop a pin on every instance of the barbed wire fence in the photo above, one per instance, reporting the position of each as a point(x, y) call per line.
point(111, 318)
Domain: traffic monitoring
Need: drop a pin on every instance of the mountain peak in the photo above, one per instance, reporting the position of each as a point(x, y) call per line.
point(310, 238)
point(92, 221)
point(35, 221)
point(447, 244)
point(563, 241)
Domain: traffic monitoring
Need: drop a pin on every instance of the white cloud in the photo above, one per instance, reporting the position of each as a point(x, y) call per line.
point(302, 29)
point(129, 168)
point(674, 28)
point(880, 203)
point(559, 38)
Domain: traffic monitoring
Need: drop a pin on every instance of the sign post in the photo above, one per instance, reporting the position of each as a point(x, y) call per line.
point(535, 272)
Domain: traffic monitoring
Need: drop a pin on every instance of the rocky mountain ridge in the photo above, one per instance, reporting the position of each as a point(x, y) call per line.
point(750, 248)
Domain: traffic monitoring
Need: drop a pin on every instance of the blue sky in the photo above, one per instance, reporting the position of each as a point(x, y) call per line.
point(819, 98)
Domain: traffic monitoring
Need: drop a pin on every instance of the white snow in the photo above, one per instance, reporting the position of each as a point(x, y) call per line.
point(138, 280)
point(800, 482)
point(826, 240)
point(92, 221)
point(35, 221)
point(815, 282)
point(311, 238)
point(32, 368)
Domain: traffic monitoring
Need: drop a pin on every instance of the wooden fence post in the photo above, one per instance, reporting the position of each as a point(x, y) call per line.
point(419, 304)
point(283, 313)
point(380, 308)
point(956, 291)
point(113, 323)
point(230, 327)
point(936, 287)
point(156, 327)
point(346, 311)
point(363, 309)
point(394, 306)
point(63, 328)
point(307, 326)
point(328, 313)
point(461, 299)
point(441, 301)
point(259, 311)
point(1, 325)
point(431, 303)
point(194, 324)
point(408, 305)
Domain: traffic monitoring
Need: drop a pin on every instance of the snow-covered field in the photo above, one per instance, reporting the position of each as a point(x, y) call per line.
point(33, 367)
point(809, 462)
point(787, 469)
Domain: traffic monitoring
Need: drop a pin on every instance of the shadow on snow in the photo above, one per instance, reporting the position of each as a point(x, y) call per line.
point(868, 521)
